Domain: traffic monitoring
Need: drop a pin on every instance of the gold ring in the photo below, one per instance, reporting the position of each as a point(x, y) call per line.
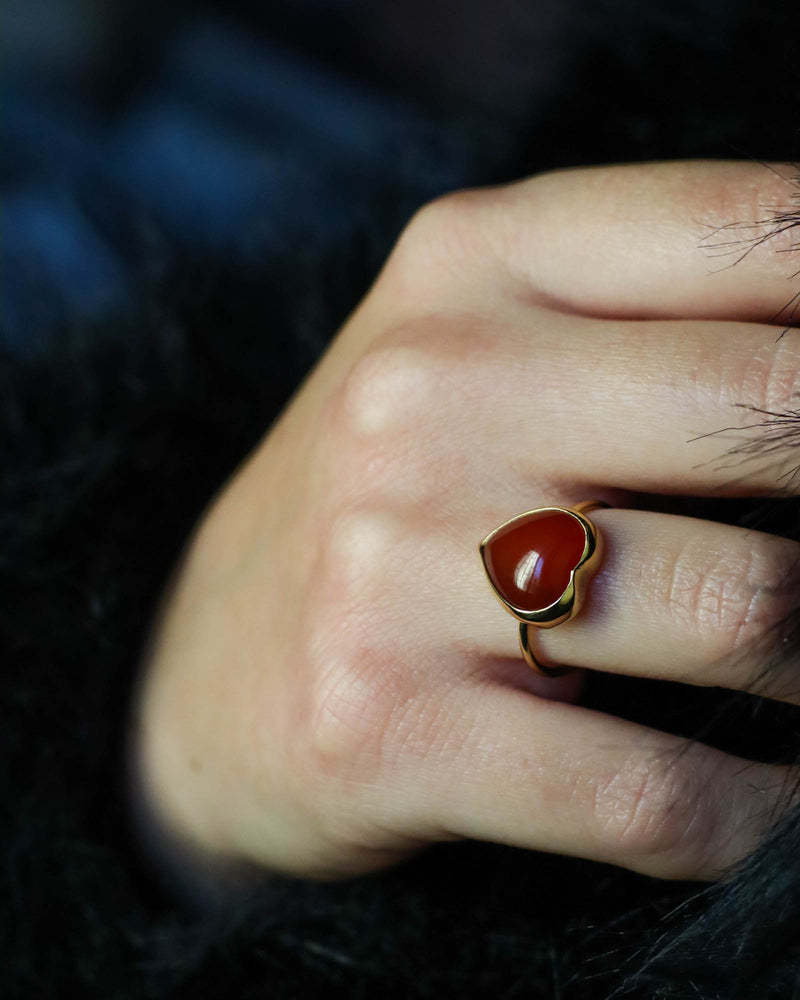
point(539, 565)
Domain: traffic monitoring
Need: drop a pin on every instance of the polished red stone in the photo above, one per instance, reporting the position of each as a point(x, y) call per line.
point(530, 560)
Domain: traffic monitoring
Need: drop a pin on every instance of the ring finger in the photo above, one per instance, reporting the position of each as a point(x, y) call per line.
point(677, 598)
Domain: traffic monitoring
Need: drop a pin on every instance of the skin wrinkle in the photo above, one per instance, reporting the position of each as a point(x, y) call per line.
point(776, 379)
point(770, 613)
point(737, 602)
point(683, 589)
point(762, 593)
point(697, 824)
point(774, 589)
point(635, 810)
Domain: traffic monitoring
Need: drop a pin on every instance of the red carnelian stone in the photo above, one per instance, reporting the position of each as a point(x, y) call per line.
point(529, 561)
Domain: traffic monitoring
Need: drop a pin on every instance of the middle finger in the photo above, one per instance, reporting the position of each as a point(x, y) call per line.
point(660, 406)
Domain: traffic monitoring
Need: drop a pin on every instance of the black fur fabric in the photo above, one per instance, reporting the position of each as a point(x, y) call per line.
point(115, 435)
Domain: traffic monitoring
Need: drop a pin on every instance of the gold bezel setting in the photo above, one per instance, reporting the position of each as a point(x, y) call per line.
point(571, 600)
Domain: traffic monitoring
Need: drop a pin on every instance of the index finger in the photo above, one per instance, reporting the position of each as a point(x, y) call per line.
point(690, 239)
point(659, 240)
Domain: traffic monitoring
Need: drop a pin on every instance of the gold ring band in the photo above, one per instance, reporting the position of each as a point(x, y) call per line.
point(539, 565)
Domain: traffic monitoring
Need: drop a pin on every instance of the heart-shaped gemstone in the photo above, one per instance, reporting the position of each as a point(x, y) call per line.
point(529, 560)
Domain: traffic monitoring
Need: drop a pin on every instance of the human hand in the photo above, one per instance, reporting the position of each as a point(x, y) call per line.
point(332, 684)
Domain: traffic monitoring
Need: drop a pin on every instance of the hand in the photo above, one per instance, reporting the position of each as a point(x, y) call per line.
point(332, 684)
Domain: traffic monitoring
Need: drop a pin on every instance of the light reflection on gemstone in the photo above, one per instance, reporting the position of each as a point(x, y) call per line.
point(528, 569)
point(530, 558)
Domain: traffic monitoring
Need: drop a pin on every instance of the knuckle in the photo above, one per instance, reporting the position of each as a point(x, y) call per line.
point(392, 426)
point(445, 238)
point(737, 597)
point(386, 391)
point(361, 551)
point(658, 809)
point(443, 222)
point(349, 709)
point(770, 579)
point(710, 597)
point(353, 682)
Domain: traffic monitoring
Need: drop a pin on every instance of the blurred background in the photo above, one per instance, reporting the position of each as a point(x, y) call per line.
point(138, 130)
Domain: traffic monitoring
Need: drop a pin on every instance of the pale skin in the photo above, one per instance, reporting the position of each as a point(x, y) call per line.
point(332, 684)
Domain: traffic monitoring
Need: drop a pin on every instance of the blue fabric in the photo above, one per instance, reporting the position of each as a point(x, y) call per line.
point(229, 147)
